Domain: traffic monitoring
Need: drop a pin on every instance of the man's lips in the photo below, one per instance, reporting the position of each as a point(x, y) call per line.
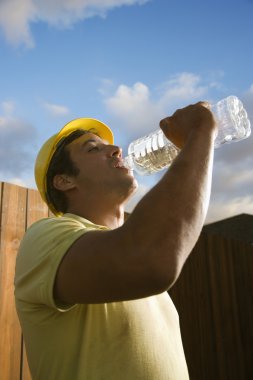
point(119, 163)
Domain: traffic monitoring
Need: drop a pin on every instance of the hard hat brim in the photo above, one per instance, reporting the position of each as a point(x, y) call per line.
point(88, 124)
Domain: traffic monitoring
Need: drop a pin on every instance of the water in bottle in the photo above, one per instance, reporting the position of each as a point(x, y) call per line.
point(153, 152)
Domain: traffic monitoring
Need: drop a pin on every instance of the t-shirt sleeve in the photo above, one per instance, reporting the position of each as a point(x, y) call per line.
point(41, 251)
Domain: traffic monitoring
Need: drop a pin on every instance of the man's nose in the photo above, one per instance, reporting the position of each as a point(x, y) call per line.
point(114, 150)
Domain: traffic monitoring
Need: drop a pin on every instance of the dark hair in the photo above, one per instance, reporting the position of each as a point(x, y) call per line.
point(61, 163)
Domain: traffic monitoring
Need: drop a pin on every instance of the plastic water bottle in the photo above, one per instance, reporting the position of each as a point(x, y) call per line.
point(154, 152)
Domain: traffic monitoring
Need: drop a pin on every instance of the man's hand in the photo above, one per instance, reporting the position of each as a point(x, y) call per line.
point(185, 121)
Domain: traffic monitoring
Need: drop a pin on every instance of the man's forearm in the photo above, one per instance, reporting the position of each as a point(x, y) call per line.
point(167, 222)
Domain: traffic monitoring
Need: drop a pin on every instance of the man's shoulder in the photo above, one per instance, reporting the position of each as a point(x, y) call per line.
point(48, 229)
point(50, 235)
point(63, 227)
point(53, 222)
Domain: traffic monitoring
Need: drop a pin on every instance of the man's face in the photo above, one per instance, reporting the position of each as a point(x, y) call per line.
point(99, 165)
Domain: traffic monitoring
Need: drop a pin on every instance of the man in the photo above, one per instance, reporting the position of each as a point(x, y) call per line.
point(91, 292)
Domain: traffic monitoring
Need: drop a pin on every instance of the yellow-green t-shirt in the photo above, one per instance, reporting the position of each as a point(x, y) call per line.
point(130, 340)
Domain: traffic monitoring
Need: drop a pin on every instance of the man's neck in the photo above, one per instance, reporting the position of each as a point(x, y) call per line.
point(111, 218)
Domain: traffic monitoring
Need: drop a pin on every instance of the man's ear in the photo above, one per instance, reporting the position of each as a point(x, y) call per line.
point(63, 182)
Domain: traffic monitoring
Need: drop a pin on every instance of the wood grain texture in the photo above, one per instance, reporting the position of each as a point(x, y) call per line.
point(214, 298)
point(36, 209)
point(13, 208)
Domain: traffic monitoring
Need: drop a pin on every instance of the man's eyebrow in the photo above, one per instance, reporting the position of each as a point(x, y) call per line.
point(88, 141)
point(99, 141)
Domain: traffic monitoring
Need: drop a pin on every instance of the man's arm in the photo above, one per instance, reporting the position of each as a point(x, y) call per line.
point(145, 256)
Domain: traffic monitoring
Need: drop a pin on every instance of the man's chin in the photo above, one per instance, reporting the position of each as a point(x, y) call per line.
point(133, 188)
point(136, 185)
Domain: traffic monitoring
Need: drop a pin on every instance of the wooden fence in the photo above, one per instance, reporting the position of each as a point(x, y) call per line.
point(213, 296)
point(19, 207)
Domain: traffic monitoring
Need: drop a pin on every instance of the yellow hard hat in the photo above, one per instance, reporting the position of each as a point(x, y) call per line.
point(50, 146)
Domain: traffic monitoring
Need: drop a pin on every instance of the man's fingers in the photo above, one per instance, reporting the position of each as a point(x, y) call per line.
point(165, 123)
point(204, 104)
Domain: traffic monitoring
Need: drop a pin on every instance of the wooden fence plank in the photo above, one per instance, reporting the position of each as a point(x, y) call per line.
point(225, 308)
point(13, 211)
point(36, 209)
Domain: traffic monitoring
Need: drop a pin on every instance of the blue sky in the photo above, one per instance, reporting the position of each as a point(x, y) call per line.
point(128, 63)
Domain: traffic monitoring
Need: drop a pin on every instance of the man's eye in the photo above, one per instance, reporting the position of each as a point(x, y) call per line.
point(93, 148)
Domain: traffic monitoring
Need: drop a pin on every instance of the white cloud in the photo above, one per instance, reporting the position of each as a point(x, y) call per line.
point(17, 15)
point(133, 107)
point(139, 112)
point(17, 139)
point(184, 87)
point(235, 178)
point(15, 18)
point(221, 210)
point(56, 109)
